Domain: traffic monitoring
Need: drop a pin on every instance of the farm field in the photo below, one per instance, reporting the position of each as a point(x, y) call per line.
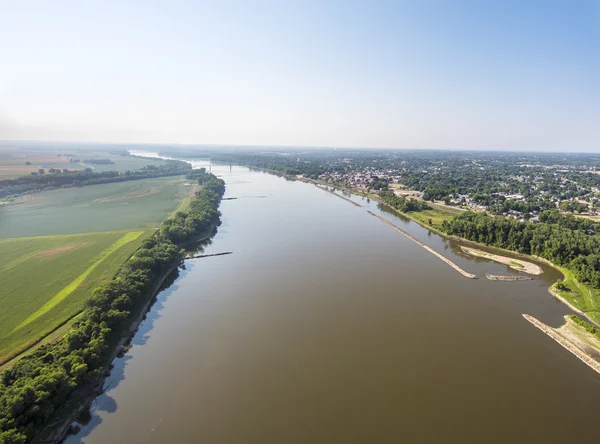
point(121, 163)
point(129, 205)
point(57, 246)
point(45, 280)
point(13, 160)
point(13, 166)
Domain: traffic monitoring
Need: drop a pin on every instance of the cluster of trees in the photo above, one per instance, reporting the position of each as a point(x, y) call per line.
point(574, 206)
point(379, 183)
point(66, 179)
point(401, 203)
point(569, 221)
point(38, 384)
point(202, 213)
point(561, 239)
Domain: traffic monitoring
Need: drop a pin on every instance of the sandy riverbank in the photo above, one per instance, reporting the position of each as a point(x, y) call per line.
point(573, 338)
point(428, 248)
point(515, 264)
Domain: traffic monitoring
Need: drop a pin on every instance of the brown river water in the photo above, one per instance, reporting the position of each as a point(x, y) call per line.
point(325, 325)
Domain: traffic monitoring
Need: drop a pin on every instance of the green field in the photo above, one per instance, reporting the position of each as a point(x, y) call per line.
point(57, 246)
point(437, 217)
point(45, 279)
point(580, 295)
point(138, 204)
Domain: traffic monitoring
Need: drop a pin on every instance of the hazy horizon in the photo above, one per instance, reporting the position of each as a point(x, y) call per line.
point(309, 148)
point(436, 75)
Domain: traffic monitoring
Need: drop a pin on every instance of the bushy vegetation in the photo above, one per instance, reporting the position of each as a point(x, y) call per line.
point(201, 214)
point(592, 329)
point(401, 203)
point(38, 384)
point(29, 184)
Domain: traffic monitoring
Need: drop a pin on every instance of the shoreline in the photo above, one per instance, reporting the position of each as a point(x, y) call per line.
point(426, 247)
point(97, 388)
point(571, 306)
point(564, 342)
point(43, 339)
point(515, 264)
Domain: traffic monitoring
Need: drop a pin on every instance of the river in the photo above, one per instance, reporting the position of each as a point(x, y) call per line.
point(325, 325)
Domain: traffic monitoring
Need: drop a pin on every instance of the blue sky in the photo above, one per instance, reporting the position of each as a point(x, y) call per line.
point(514, 75)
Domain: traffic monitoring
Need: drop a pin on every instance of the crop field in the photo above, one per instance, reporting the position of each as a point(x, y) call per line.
point(138, 204)
point(121, 163)
point(45, 280)
point(57, 246)
point(18, 161)
point(14, 165)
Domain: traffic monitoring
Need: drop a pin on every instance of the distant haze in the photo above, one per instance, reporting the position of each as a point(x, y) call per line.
point(462, 75)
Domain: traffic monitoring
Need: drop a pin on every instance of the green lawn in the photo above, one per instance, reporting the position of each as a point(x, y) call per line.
point(437, 217)
point(45, 279)
point(137, 204)
point(580, 295)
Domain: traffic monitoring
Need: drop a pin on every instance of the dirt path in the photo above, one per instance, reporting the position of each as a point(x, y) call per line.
point(515, 264)
point(431, 250)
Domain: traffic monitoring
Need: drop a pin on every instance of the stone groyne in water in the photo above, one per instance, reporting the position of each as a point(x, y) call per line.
point(431, 250)
point(341, 197)
point(495, 277)
point(564, 342)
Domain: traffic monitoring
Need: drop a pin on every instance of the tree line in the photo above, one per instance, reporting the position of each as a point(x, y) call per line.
point(29, 184)
point(38, 384)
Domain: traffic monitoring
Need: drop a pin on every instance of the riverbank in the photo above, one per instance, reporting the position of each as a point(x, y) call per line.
point(578, 295)
point(76, 364)
point(426, 247)
point(60, 429)
point(57, 432)
point(515, 264)
point(571, 337)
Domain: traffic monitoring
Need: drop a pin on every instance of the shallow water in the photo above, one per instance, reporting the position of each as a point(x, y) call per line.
point(325, 325)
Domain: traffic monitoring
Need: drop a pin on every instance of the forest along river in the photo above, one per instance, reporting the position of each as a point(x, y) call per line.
point(326, 325)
